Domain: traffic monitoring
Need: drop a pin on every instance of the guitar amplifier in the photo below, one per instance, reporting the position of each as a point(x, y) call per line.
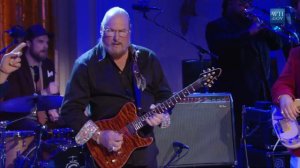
point(204, 124)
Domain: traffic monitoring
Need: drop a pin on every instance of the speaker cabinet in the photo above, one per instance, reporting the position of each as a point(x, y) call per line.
point(203, 122)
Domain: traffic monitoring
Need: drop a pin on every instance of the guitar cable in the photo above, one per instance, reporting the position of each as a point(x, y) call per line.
point(276, 144)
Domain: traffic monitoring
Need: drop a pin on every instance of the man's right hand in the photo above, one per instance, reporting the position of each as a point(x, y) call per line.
point(111, 140)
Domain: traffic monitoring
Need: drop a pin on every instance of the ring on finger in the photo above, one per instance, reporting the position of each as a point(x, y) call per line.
point(113, 148)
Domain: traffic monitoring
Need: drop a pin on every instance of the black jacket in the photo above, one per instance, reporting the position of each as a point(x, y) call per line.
point(244, 58)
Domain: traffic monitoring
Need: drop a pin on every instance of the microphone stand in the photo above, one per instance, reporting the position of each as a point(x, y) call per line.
point(244, 135)
point(199, 48)
point(176, 154)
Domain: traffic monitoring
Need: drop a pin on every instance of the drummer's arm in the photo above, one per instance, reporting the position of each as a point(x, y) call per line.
point(52, 90)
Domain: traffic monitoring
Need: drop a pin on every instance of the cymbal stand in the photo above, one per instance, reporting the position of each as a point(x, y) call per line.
point(41, 129)
point(39, 135)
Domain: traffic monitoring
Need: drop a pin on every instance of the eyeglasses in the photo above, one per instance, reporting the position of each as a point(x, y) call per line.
point(110, 32)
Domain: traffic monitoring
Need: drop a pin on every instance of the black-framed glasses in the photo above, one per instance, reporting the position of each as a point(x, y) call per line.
point(111, 32)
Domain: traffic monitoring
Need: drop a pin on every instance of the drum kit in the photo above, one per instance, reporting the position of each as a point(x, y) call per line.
point(40, 147)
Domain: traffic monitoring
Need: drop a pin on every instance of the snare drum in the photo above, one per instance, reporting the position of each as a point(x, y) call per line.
point(17, 142)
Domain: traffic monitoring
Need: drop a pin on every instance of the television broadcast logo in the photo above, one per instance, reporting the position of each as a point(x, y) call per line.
point(277, 16)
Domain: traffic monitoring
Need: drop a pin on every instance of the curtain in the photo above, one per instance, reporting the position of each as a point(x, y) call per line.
point(24, 13)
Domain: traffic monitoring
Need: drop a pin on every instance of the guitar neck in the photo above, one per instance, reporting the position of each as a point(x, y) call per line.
point(168, 104)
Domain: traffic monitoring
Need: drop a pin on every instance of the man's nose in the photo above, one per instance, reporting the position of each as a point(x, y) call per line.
point(116, 35)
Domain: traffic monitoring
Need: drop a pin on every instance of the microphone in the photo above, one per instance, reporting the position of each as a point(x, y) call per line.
point(144, 8)
point(177, 144)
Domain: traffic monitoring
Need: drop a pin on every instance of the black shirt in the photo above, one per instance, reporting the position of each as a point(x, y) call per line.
point(98, 83)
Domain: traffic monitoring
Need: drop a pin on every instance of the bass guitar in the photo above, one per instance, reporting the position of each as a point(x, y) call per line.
point(287, 131)
point(128, 123)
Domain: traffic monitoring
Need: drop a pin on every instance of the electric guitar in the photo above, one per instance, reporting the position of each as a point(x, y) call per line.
point(287, 131)
point(128, 123)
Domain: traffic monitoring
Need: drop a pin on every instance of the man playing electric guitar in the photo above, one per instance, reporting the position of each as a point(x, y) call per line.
point(109, 77)
point(285, 90)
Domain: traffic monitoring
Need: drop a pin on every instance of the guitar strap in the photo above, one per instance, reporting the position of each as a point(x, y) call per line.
point(139, 82)
point(137, 96)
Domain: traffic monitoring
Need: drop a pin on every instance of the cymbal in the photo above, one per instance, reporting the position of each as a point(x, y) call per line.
point(27, 104)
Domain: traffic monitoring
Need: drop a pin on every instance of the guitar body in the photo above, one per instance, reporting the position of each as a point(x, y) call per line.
point(288, 131)
point(128, 123)
point(110, 159)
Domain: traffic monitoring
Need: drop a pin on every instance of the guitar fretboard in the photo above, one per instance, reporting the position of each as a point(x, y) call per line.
point(206, 80)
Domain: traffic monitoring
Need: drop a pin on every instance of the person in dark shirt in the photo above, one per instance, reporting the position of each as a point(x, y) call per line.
point(108, 76)
point(243, 45)
point(36, 76)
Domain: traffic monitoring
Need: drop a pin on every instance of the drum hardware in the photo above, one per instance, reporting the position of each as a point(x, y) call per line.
point(3, 135)
point(61, 137)
point(3, 125)
point(30, 105)
point(27, 104)
point(41, 130)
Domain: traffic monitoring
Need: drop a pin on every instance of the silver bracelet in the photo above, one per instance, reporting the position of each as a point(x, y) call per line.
point(86, 132)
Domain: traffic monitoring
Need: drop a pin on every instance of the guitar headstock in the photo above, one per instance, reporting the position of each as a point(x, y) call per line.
point(209, 75)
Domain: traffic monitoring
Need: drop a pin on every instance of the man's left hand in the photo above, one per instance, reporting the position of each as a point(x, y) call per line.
point(158, 119)
point(155, 119)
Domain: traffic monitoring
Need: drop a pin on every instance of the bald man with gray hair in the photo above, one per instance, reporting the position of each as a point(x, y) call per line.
point(113, 79)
